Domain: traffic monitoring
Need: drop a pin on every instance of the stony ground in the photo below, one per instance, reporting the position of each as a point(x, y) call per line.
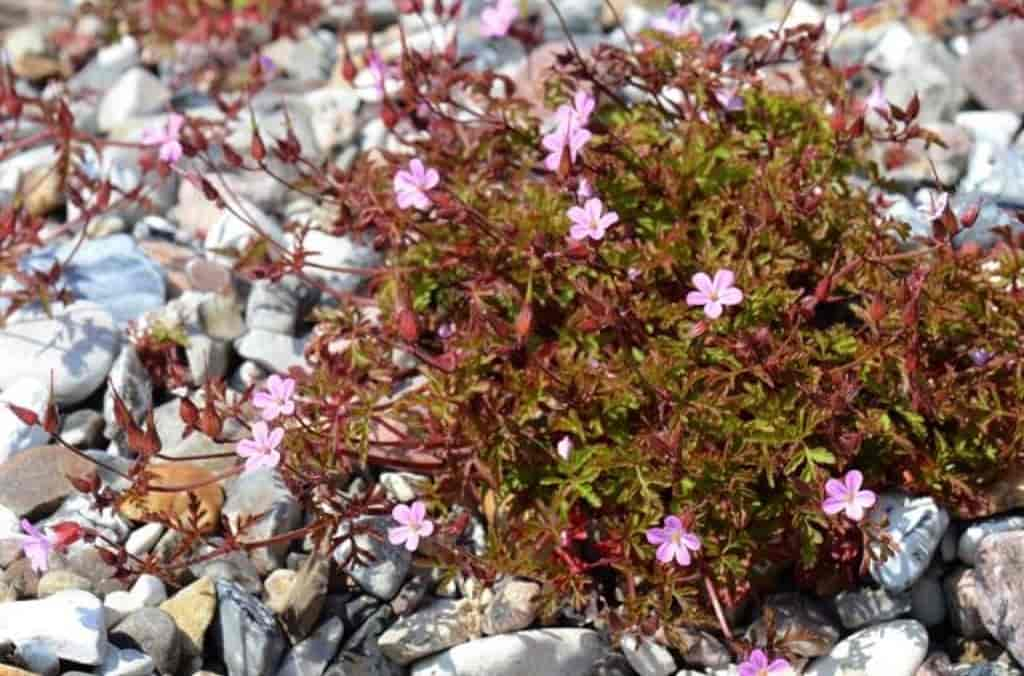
point(951, 601)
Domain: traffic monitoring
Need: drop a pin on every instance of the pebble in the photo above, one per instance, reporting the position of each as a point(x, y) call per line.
point(113, 272)
point(251, 642)
point(136, 93)
point(861, 607)
point(263, 492)
point(893, 648)
point(34, 483)
point(275, 306)
point(1000, 588)
point(961, 592)
point(311, 657)
point(82, 428)
point(273, 351)
point(513, 606)
point(192, 609)
point(810, 630)
point(16, 436)
point(388, 566)
point(970, 540)
point(917, 526)
point(993, 69)
point(129, 378)
point(647, 657)
point(55, 581)
point(566, 652)
point(153, 632)
point(70, 622)
point(178, 474)
point(931, 71)
point(340, 252)
point(278, 585)
point(928, 601)
point(306, 598)
point(442, 624)
point(229, 232)
point(147, 592)
point(38, 656)
point(143, 539)
point(126, 662)
point(77, 346)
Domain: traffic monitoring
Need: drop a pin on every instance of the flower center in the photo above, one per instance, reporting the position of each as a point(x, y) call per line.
point(676, 537)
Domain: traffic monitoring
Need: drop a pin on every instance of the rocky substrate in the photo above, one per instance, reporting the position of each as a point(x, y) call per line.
point(951, 602)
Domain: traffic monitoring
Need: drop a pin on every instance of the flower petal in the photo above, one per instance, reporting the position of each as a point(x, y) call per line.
point(413, 541)
point(853, 480)
point(673, 523)
point(690, 541)
point(695, 298)
point(866, 499)
point(683, 556)
point(656, 536)
point(418, 511)
point(713, 310)
point(427, 528)
point(402, 514)
point(703, 283)
point(730, 296)
point(398, 534)
point(665, 552)
point(835, 488)
point(723, 280)
point(833, 505)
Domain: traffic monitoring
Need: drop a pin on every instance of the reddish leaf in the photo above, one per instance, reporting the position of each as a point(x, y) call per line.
point(24, 415)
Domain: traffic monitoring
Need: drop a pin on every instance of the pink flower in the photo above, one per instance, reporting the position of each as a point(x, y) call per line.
point(588, 221)
point(495, 21)
point(876, 101)
point(674, 541)
point(712, 294)
point(411, 186)
point(847, 496)
point(267, 64)
point(446, 330)
point(565, 448)
point(725, 42)
point(757, 665)
point(414, 525)
point(571, 131)
point(37, 547)
point(936, 206)
point(261, 451)
point(729, 98)
point(677, 20)
point(277, 399)
point(166, 138)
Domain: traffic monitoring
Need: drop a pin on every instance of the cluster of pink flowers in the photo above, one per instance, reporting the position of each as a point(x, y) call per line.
point(277, 400)
point(570, 133)
point(678, 20)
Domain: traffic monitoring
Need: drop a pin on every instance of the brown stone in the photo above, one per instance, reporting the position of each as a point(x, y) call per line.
point(37, 67)
point(34, 482)
point(1000, 588)
point(42, 189)
point(168, 475)
point(7, 670)
point(172, 258)
point(192, 610)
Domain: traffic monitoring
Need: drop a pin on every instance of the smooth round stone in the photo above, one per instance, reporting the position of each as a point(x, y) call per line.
point(111, 271)
point(967, 548)
point(894, 648)
point(917, 525)
point(567, 652)
point(70, 622)
point(77, 346)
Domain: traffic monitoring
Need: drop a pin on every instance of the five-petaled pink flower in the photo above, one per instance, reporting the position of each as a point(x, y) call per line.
point(846, 496)
point(167, 138)
point(570, 132)
point(261, 451)
point(712, 294)
point(674, 541)
point(677, 20)
point(757, 665)
point(276, 399)
point(496, 20)
point(565, 447)
point(411, 186)
point(589, 221)
point(876, 101)
point(414, 525)
point(37, 547)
